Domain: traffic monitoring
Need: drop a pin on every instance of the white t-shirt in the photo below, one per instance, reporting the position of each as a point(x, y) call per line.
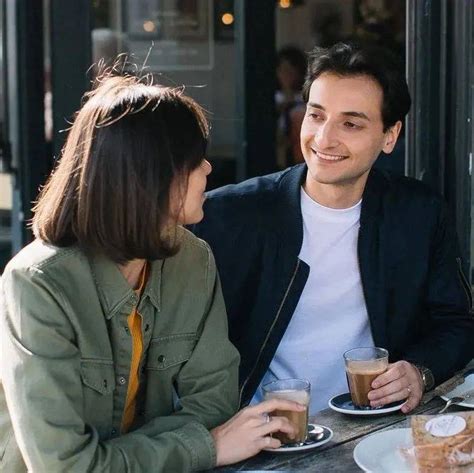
point(331, 315)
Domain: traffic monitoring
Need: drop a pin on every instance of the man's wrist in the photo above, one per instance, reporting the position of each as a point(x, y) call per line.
point(427, 377)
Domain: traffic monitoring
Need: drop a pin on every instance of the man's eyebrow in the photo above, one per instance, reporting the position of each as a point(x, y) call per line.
point(347, 114)
point(356, 115)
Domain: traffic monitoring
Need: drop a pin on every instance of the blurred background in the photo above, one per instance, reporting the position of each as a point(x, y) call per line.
point(244, 61)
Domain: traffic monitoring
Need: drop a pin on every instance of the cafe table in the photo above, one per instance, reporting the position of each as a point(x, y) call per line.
point(349, 430)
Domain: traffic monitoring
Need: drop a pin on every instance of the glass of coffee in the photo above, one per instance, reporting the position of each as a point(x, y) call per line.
point(297, 390)
point(363, 365)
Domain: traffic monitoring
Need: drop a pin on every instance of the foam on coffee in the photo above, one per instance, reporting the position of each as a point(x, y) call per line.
point(302, 397)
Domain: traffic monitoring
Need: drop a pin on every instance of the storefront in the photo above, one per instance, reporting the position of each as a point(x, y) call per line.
point(226, 54)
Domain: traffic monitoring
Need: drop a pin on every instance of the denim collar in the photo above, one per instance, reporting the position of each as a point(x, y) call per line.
point(115, 293)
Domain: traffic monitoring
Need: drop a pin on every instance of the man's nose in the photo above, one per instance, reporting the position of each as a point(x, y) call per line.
point(326, 136)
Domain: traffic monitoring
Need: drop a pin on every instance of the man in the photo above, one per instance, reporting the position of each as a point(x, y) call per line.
point(333, 254)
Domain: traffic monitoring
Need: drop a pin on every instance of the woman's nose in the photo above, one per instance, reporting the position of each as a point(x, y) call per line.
point(207, 167)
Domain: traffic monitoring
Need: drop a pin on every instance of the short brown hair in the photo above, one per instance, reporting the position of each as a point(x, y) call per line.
point(380, 64)
point(111, 189)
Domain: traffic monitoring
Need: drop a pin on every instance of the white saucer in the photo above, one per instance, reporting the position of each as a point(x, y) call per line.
point(380, 452)
point(343, 403)
point(466, 386)
point(309, 444)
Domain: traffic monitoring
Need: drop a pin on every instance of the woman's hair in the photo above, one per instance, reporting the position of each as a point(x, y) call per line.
point(131, 144)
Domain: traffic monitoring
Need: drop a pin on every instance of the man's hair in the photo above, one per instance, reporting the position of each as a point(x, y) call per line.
point(350, 59)
point(131, 143)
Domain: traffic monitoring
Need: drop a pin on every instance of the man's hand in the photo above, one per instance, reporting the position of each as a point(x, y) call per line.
point(402, 380)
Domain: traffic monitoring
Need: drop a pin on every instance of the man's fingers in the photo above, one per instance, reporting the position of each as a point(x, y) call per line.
point(410, 404)
point(411, 393)
point(395, 371)
point(387, 390)
point(397, 396)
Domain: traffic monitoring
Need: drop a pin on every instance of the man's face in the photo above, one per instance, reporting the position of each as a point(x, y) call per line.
point(342, 131)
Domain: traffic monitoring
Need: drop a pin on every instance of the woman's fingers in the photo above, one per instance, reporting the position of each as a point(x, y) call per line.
point(277, 424)
point(267, 442)
point(273, 405)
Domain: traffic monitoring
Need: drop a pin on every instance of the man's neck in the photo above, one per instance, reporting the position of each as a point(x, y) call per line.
point(335, 196)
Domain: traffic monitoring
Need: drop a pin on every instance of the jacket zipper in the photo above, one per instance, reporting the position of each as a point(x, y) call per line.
point(464, 282)
point(270, 330)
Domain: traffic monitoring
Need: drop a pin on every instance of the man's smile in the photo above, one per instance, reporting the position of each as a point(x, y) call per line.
point(328, 157)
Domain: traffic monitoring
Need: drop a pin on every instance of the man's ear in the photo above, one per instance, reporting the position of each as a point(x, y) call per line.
point(391, 137)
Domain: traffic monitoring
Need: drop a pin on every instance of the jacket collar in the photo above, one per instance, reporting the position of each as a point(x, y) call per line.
point(114, 291)
point(290, 220)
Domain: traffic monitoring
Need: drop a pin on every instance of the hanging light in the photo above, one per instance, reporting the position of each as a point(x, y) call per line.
point(227, 18)
point(149, 26)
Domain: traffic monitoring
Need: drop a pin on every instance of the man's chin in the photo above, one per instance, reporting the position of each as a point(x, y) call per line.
point(321, 178)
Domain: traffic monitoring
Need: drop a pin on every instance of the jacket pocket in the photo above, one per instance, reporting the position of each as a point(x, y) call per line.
point(98, 384)
point(172, 350)
point(98, 375)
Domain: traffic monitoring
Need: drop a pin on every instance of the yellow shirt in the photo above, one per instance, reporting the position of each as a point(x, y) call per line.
point(135, 325)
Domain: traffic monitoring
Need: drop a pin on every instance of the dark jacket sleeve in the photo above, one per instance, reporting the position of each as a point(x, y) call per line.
point(233, 236)
point(447, 343)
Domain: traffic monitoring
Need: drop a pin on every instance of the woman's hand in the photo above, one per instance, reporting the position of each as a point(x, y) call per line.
point(248, 432)
point(401, 381)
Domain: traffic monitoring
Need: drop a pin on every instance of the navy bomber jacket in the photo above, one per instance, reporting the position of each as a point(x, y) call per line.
point(417, 297)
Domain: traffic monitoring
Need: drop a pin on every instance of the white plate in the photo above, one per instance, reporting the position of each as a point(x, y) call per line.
point(343, 403)
point(467, 385)
point(309, 444)
point(380, 452)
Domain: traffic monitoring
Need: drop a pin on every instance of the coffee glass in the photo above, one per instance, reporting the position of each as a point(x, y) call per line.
point(363, 365)
point(297, 390)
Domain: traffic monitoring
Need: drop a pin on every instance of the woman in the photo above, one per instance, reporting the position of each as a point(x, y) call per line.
point(115, 354)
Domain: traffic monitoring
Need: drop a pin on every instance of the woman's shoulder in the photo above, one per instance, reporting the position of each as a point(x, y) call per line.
point(192, 247)
point(40, 258)
point(193, 256)
point(39, 254)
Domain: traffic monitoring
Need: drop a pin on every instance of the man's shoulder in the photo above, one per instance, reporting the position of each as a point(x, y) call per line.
point(404, 190)
point(260, 191)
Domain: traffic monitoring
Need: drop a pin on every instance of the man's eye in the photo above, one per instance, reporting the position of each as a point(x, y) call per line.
point(351, 125)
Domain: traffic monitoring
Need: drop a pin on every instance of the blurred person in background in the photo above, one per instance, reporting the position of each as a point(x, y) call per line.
point(290, 70)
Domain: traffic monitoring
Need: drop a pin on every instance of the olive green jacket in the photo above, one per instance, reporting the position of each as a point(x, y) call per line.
point(65, 361)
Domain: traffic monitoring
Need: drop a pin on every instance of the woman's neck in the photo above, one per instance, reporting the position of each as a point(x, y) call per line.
point(131, 271)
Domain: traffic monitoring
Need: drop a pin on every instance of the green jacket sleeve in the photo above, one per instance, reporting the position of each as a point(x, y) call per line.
point(42, 384)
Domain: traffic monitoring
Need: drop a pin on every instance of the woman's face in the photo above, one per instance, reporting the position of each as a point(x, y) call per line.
point(191, 210)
